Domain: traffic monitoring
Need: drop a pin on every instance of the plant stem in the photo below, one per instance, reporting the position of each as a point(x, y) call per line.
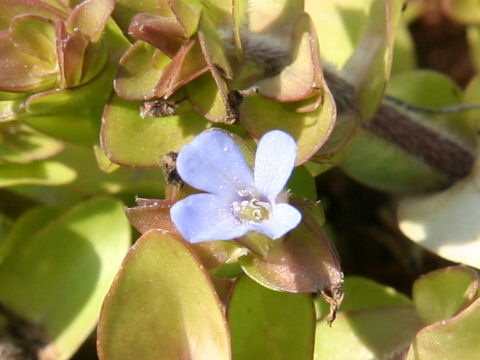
point(430, 143)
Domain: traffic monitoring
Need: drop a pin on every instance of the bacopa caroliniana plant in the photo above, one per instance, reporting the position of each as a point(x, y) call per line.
point(244, 105)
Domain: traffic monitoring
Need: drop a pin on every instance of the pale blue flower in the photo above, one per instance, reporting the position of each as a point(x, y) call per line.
point(236, 200)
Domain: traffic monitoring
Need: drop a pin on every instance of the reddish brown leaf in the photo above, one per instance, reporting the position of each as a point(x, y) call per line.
point(165, 33)
point(187, 65)
point(152, 214)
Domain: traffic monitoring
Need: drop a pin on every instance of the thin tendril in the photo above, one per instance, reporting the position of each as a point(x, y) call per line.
point(427, 110)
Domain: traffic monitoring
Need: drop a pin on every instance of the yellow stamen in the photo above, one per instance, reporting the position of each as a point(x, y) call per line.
point(252, 210)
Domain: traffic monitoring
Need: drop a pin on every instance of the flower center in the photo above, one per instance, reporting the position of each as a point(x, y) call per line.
point(251, 209)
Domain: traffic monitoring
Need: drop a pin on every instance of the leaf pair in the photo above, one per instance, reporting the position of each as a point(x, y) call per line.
point(55, 268)
point(376, 322)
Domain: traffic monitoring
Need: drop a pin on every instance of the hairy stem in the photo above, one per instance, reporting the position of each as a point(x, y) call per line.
point(434, 146)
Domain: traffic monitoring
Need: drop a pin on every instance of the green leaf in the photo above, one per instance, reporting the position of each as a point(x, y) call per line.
point(404, 58)
point(22, 72)
point(71, 54)
point(50, 9)
point(125, 10)
point(58, 276)
point(151, 214)
point(473, 37)
point(302, 184)
point(71, 114)
point(239, 9)
point(48, 195)
point(378, 163)
point(220, 258)
point(380, 333)
point(22, 145)
point(213, 48)
point(124, 182)
point(27, 226)
point(452, 339)
point(446, 222)
point(9, 109)
point(310, 130)
point(305, 261)
point(301, 78)
point(273, 16)
point(433, 90)
point(75, 114)
point(45, 172)
point(463, 11)
point(9, 95)
point(205, 96)
point(103, 162)
point(140, 70)
point(90, 17)
point(163, 32)
point(5, 226)
point(215, 56)
point(94, 60)
point(188, 14)
point(368, 69)
point(443, 293)
point(74, 128)
point(219, 10)
point(88, 98)
point(316, 169)
point(187, 64)
point(363, 293)
point(270, 325)
point(36, 37)
point(471, 96)
point(345, 19)
point(128, 139)
point(162, 305)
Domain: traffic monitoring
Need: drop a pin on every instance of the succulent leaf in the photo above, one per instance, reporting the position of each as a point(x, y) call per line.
point(187, 65)
point(301, 78)
point(165, 33)
point(141, 67)
point(90, 18)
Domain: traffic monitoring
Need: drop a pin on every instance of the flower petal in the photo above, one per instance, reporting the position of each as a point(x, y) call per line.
point(213, 162)
point(284, 217)
point(274, 162)
point(202, 217)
